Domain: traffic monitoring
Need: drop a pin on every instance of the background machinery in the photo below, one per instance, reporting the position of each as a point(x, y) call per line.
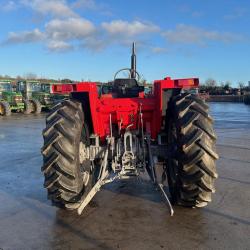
point(37, 93)
point(40, 95)
point(11, 100)
point(95, 138)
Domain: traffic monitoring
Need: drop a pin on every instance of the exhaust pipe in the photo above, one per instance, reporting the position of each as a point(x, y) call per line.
point(133, 62)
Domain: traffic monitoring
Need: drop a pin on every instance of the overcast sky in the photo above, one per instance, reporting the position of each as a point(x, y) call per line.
point(91, 39)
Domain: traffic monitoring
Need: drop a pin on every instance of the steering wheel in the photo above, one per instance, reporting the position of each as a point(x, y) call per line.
point(129, 70)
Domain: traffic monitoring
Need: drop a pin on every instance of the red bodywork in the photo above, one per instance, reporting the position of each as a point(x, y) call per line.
point(125, 111)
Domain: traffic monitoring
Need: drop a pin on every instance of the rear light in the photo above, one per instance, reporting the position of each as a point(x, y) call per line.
point(63, 88)
point(57, 88)
point(67, 88)
point(186, 82)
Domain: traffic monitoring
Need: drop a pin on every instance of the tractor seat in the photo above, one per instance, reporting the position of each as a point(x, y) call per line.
point(125, 88)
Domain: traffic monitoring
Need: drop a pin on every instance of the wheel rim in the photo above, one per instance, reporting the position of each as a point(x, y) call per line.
point(83, 156)
point(82, 152)
point(86, 177)
point(172, 164)
point(172, 140)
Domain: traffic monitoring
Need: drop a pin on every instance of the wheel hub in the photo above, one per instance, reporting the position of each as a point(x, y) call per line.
point(82, 152)
point(85, 178)
point(83, 156)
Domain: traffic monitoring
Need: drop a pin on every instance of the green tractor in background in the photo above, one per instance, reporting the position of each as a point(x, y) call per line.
point(11, 100)
point(37, 93)
point(51, 98)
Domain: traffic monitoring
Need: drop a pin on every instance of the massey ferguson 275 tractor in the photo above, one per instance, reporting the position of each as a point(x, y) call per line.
point(95, 138)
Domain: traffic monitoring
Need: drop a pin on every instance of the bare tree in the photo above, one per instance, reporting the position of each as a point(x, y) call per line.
point(66, 80)
point(222, 84)
point(241, 85)
point(228, 85)
point(30, 76)
point(210, 82)
point(18, 77)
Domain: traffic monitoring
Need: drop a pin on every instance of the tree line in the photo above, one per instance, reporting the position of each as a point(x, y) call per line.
point(212, 87)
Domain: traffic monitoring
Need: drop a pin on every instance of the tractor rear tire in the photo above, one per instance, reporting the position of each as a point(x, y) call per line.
point(5, 108)
point(191, 171)
point(37, 108)
point(27, 107)
point(68, 174)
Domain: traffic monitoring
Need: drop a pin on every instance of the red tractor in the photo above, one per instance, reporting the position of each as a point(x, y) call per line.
point(118, 132)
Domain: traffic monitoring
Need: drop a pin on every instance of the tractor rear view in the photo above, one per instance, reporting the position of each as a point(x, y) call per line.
point(95, 138)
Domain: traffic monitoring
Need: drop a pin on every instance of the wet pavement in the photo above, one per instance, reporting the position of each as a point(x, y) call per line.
point(123, 216)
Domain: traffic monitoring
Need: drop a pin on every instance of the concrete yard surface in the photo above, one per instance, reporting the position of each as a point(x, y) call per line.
point(125, 214)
